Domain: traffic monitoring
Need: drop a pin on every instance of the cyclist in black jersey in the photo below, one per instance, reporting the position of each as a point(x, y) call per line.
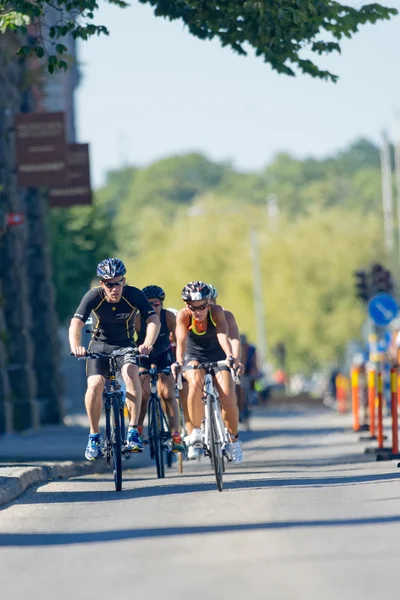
point(161, 356)
point(114, 306)
point(202, 335)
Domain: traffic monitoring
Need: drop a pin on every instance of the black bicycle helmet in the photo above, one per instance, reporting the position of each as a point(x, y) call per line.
point(110, 268)
point(154, 291)
point(196, 290)
point(213, 291)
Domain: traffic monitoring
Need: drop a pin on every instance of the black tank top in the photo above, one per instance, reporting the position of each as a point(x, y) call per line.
point(204, 345)
point(162, 343)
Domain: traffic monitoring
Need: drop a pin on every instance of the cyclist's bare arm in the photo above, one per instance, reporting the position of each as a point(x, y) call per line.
point(75, 337)
point(234, 338)
point(233, 332)
point(181, 333)
point(152, 331)
point(222, 329)
point(171, 324)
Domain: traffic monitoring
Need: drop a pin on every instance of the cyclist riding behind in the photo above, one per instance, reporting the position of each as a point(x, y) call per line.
point(113, 305)
point(161, 356)
point(233, 329)
point(202, 335)
point(234, 338)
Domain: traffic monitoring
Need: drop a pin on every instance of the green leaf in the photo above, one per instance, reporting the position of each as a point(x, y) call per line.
point(60, 48)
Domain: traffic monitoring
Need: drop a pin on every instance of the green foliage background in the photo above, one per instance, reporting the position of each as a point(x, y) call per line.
point(289, 35)
point(186, 217)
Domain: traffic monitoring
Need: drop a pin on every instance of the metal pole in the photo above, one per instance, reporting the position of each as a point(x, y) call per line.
point(272, 210)
point(397, 172)
point(387, 197)
point(258, 299)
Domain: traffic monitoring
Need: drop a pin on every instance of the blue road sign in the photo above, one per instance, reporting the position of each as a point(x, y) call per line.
point(382, 309)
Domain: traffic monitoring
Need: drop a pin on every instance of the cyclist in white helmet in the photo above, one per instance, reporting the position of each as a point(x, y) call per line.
point(202, 335)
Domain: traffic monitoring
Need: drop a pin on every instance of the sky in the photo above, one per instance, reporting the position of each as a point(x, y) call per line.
point(150, 90)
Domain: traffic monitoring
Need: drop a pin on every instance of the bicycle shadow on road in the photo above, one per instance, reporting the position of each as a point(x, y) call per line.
point(90, 537)
point(168, 489)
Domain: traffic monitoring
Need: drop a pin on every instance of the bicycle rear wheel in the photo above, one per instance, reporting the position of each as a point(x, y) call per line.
point(117, 443)
point(216, 449)
point(155, 435)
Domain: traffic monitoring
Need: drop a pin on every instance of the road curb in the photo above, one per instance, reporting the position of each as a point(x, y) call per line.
point(21, 478)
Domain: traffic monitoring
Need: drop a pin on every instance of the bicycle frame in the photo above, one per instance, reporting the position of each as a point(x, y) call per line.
point(159, 434)
point(209, 391)
point(113, 399)
point(216, 442)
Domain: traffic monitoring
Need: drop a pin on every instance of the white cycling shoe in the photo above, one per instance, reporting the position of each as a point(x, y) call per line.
point(194, 453)
point(196, 437)
point(237, 452)
point(195, 444)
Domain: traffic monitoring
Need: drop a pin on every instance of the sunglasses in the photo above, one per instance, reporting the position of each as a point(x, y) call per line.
point(114, 284)
point(156, 303)
point(195, 308)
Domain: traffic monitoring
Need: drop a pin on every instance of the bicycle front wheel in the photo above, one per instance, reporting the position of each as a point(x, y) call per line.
point(216, 450)
point(117, 443)
point(155, 436)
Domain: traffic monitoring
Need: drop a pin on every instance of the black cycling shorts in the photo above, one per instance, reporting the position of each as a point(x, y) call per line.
point(162, 361)
point(100, 366)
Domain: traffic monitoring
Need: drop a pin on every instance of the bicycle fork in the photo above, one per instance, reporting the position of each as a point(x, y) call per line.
point(215, 408)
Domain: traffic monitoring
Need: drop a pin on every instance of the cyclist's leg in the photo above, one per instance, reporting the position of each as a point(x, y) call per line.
point(93, 401)
point(96, 371)
point(133, 398)
point(227, 395)
point(183, 395)
point(195, 381)
point(230, 411)
point(166, 390)
point(130, 374)
point(145, 383)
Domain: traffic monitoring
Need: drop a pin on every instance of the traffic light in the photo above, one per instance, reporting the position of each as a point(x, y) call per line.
point(381, 279)
point(362, 285)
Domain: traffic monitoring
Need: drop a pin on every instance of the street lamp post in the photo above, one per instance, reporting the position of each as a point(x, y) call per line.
point(258, 296)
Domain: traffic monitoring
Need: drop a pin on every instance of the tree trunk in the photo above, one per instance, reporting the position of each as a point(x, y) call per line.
point(44, 328)
point(13, 267)
point(5, 393)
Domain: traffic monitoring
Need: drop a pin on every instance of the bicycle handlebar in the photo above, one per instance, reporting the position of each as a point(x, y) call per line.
point(151, 371)
point(206, 366)
point(115, 354)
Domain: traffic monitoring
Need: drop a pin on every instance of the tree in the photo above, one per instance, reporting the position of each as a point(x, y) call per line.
point(307, 267)
point(285, 33)
point(165, 185)
point(184, 218)
point(90, 238)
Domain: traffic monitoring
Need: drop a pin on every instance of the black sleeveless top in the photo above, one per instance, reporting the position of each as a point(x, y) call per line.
point(203, 345)
point(162, 343)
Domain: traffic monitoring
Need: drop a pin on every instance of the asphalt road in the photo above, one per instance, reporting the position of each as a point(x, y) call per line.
point(307, 515)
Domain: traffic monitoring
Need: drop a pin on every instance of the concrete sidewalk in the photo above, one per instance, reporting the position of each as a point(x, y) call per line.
point(52, 452)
